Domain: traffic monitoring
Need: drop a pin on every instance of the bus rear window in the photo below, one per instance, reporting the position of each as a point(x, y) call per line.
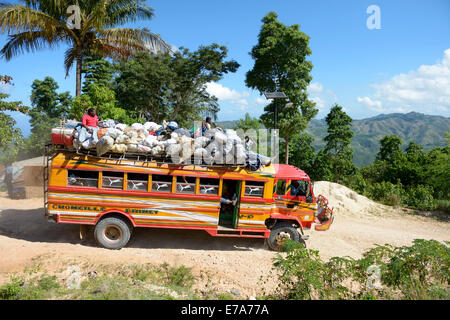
point(209, 186)
point(161, 183)
point(82, 178)
point(112, 180)
point(137, 181)
point(254, 189)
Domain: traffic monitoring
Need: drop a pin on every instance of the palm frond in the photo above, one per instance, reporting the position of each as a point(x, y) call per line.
point(134, 39)
point(30, 41)
point(18, 18)
point(69, 58)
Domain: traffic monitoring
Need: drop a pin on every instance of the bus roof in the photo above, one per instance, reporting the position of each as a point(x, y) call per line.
point(286, 171)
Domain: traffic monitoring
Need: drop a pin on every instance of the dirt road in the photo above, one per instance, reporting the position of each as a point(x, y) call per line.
point(233, 263)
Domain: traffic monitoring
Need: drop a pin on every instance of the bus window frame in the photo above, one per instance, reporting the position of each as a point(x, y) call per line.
point(164, 191)
point(254, 196)
point(79, 186)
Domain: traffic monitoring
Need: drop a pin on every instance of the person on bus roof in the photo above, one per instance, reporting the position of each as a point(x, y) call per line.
point(207, 125)
point(89, 126)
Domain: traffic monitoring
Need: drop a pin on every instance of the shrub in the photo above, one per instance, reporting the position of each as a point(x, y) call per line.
point(387, 193)
point(420, 271)
point(421, 197)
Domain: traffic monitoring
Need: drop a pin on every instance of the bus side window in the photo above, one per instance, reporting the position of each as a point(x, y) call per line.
point(82, 178)
point(186, 184)
point(209, 186)
point(137, 181)
point(161, 183)
point(281, 187)
point(254, 189)
point(112, 180)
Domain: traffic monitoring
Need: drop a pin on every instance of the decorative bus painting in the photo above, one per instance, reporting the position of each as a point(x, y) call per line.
point(275, 203)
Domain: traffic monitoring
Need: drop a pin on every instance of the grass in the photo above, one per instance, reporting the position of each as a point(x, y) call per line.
point(132, 282)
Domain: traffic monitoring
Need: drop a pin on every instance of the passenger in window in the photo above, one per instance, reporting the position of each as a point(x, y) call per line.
point(297, 189)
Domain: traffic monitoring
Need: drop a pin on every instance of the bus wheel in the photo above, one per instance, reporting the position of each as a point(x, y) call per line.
point(280, 233)
point(112, 233)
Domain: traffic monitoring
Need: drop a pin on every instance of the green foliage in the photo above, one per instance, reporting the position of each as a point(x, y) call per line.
point(425, 130)
point(46, 27)
point(172, 87)
point(178, 276)
point(281, 65)
point(421, 197)
point(103, 100)
point(337, 148)
point(420, 271)
point(11, 290)
point(10, 137)
point(386, 193)
point(248, 123)
point(48, 108)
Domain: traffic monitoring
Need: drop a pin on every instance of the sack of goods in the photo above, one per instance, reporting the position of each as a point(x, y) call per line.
point(166, 141)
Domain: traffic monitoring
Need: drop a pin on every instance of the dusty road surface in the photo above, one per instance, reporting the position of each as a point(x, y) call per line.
point(232, 263)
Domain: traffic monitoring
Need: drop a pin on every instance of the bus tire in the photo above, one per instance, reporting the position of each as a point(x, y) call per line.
point(112, 233)
point(281, 232)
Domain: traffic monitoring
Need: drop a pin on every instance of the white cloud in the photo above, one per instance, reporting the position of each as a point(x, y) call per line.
point(262, 101)
point(322, 98)
point(315, 88)
point(424, 89)
point(371, 104)
point(226, 94)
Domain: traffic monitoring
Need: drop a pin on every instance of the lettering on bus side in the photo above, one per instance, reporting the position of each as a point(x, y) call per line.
point(247, 216)
point(77, 208)
point(141, 211)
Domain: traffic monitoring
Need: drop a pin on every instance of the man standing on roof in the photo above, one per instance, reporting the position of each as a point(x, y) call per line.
point(89, 126)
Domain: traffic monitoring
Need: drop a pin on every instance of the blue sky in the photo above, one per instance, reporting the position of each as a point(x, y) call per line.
point(402, 67)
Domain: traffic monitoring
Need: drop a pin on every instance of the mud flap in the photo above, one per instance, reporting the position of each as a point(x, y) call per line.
point(325, 225)
point(83, 231)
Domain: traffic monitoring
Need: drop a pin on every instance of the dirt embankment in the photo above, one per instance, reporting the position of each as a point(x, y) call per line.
point(26, 238)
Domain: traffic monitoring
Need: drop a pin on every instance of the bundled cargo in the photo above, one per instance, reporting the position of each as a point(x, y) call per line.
point(167, 141)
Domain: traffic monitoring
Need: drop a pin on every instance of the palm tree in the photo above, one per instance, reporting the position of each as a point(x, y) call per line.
point(37, 24)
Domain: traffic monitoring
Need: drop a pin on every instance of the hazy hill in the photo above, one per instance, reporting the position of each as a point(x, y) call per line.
point(425, 130)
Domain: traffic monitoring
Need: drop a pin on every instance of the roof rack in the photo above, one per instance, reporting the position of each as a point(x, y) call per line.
point(51, 148)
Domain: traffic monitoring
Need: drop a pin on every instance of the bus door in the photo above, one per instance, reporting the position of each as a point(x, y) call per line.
point(229, 203)
point(237, 205)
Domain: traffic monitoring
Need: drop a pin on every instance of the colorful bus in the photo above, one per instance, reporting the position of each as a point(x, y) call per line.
point(275, 202)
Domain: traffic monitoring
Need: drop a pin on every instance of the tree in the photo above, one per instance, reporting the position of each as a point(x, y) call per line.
point(10, 137)
point(172, 87)
point(98, 71)
point(281, 65)
point(302, 154)
point(43, 23)
point(338, 141)
point(390, 148)
point(248, 123)
point(48, 108)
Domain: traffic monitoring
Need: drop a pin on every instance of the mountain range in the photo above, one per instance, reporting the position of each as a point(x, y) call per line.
point(425, 130)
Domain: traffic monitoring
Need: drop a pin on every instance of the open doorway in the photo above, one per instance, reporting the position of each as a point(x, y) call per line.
point(229, 203)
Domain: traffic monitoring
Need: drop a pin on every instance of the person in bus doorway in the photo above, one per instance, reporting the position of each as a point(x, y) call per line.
point(89, 126)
